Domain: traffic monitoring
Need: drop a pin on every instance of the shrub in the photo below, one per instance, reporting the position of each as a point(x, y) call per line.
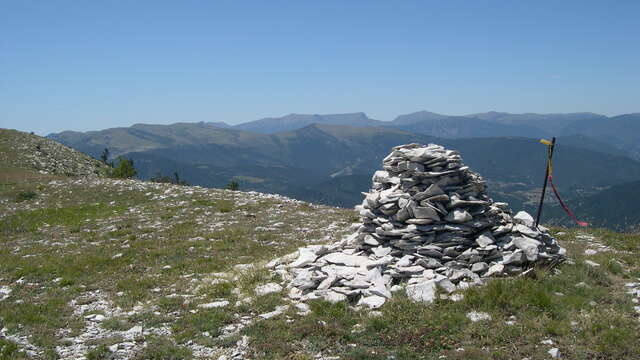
point(124, 169)
point(232, 185)
point(25, 195)
point(104, 157)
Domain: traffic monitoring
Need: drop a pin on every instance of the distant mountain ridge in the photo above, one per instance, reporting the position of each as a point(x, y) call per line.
point(326, 163)
point(297, 121)
point(618, 135)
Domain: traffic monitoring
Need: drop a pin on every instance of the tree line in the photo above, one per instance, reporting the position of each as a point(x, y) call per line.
point(125, 169)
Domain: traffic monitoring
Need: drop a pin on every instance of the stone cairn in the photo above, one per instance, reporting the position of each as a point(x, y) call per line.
point(427, 223)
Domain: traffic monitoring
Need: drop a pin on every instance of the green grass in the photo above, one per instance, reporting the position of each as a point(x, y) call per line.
point(71, 216)
point(9, 351)
point(63, 243)
point(192, 326)
point(100, 353)
point(163, 349)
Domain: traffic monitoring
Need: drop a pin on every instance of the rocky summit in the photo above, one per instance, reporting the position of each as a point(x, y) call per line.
point(427, 224)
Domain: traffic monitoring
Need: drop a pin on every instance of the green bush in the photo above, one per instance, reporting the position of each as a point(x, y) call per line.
point(25, 195)
point(124, 169)
point(232, 185)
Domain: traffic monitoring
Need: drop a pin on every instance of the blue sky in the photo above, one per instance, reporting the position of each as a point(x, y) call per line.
point(86, 65)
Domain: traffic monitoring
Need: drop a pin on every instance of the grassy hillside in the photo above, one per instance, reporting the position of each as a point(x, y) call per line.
point(108, 269)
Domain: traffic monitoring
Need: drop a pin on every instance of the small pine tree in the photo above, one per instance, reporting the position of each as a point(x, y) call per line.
point(232, 185)
point(104, 157)
point(124, 170)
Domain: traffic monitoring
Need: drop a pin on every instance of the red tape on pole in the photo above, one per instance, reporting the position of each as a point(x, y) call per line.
point(564, 206)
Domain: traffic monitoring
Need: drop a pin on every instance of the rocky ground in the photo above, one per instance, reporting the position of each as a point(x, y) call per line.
point(115, 269)
point(45, 156)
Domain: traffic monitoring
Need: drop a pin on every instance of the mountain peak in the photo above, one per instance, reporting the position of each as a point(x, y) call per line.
point(295, 121)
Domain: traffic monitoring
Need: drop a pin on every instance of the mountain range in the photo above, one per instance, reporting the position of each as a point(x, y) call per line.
point(621, 133)
point(330, 158)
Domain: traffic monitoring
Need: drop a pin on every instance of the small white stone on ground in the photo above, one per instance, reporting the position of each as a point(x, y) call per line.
point(476, 316)
point(555, 353)
point(5, 291)
point(215, 304)
point(279, 310)
point(136, 330)
point(303, 309)
point(591, 263)
point(268, 288)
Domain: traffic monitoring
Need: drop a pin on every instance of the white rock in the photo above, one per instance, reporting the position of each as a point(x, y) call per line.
point(525, 218)
point(458, 216)
point(268, 288)
point(494, 270)
point(305, 258)
point(215, 304)
point(334, 297)
point(95, 317)
point(446, 285)
point(555, 353)
point(591, 263)
point(485, 239)
point(279, 310)
point(476, 316)
point(136, 330)
point(528, 246)
point(5, 292)
point(303, 309)
point(381, 251)
point(422, 292)
point(348, 260)
point(373, 301)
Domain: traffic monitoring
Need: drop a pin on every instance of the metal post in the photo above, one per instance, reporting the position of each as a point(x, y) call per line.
point(546, 179)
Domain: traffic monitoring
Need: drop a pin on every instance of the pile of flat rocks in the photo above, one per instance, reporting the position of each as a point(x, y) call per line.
point(426, 225)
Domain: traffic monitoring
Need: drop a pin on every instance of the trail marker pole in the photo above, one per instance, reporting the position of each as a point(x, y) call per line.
point(550, 146)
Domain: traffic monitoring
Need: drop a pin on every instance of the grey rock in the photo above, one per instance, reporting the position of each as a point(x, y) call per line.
point(458, 216)
point(485, 239)
point(372, 301)
point(479, 267)
point(422, 292)
point(268, 288)
point(306, 257)
point(425, 212)
point(524, 218)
